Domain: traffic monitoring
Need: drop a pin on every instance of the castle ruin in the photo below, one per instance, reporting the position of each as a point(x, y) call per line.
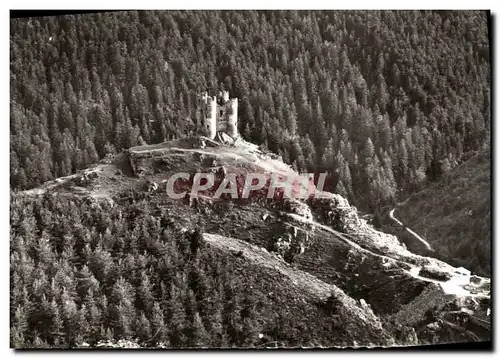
point(219, 114)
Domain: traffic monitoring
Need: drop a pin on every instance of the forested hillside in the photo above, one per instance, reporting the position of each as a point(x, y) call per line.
point(454, 215)
point(383, 101)
point(85, 272)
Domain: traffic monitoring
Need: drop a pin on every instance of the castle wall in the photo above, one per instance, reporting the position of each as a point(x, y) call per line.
point(220, 117)
point(211, 122)
point(232, 124)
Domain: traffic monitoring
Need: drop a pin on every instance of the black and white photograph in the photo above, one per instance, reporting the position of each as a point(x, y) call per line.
point(250, 179)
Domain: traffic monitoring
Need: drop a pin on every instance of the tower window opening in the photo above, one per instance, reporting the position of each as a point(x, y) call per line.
point(221, 112)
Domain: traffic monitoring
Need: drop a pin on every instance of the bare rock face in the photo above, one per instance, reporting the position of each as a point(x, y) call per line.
point(300, 208)
point(209, 160)
point(151, 186)
point(335, 211)
point(432, 298)
point(86, 178)
point(283, 244)
point(293, 241)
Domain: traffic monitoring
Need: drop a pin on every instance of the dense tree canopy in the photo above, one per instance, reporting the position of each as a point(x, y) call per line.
point(378, 99)
point(85, 272)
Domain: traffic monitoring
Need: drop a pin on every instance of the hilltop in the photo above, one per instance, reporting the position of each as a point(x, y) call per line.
point(314, 262)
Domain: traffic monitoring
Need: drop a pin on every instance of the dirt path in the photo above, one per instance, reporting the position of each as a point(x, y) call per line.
point(345, 239)
point(51, 185)
point(415, 235)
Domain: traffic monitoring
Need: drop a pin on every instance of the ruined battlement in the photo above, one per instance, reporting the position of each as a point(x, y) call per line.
point(219, 114)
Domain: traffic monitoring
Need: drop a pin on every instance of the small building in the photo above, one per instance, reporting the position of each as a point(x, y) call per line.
point(462, 271)
point(461, 276)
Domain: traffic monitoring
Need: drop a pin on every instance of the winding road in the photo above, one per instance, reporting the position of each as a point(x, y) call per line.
point(449, 287)
point(415, 235)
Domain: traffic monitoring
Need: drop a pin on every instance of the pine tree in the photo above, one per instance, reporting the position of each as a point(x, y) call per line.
point(82, 326)
point(198, 336)
point(70, 317)
point(143, 328)
point(19, 329)
point(56, 330)
point(176, 319)
point(94, 318)
point(328, 158)
point(145, 294)
point(158, 327)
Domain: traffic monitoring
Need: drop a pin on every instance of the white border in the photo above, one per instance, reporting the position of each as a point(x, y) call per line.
point(148, 4)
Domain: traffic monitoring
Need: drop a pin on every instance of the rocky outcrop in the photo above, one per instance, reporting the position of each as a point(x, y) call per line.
point(300, 208)
point(140, 161)
point(293, 241)
point(335, 211)
point(432, 298)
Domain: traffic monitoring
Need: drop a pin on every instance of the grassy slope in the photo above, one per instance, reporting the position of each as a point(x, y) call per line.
point(302, 296)
point(454, 214)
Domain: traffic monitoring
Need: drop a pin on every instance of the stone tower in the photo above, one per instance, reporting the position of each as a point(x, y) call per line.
point(212, 119)
point(232, 123)
point(220, 114)
point(207, 122)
